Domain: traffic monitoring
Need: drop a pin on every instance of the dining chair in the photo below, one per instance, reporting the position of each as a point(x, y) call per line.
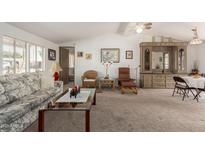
point(202, 74)
point(182, 86)
point(199, 91)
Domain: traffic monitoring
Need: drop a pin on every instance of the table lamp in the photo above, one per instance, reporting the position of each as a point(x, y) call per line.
point(55, 69)
point(107, 65)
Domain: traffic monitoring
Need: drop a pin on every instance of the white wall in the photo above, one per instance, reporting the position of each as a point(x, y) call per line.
point(191, 57)
point(201, 57)
point(6, 29)
point(94, 45)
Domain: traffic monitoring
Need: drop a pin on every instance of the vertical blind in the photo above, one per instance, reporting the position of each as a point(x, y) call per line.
point(21, 56)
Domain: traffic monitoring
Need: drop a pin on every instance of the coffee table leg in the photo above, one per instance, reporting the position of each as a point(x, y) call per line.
point(41, 121)
point(94, 99)
point(87, 121)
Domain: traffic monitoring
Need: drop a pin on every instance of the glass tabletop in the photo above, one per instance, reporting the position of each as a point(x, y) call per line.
point(75, 105)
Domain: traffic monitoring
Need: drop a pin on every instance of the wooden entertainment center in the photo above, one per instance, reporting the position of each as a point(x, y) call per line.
point(160, 61)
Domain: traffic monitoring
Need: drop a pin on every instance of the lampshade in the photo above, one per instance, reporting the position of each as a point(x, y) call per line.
point(55, 67)
point(196, 41)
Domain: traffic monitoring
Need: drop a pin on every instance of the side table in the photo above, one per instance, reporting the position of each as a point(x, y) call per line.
point(106, 82)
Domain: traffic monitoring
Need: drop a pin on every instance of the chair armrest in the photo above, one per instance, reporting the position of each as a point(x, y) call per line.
point(59, 84)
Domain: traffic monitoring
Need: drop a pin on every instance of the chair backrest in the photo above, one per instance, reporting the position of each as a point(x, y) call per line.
point(124, 73)
point(202, 74)
point(90, 74)
point(179, 80)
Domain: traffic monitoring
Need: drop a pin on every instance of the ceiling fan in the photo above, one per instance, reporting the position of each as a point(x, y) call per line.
point(139, 27)
point(195, 39)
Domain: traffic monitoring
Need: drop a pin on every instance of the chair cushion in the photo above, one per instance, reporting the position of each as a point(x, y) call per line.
point(128, 84)
point(89, 80)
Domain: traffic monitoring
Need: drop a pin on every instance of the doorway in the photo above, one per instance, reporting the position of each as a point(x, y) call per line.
point(67, 63)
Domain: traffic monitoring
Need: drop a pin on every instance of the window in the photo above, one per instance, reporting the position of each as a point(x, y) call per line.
point(40, 59)
point(8, 55)
point(36, 58)
point(166, 61)
point(32, 58)
point(20, 57)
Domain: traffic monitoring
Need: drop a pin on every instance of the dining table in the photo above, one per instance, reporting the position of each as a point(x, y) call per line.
point(196, 82)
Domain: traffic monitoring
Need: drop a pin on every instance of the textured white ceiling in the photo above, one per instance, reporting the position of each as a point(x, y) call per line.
point(60, 32)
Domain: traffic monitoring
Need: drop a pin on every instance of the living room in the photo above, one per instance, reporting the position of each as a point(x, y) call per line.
point(117, 75)
point(90, 51)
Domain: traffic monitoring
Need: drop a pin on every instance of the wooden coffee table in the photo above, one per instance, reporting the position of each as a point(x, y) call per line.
point(67, 105)
point(106, 82)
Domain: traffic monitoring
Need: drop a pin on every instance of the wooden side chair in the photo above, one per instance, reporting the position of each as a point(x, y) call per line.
point(125, 83)
point(89, 79)
point(182, 87)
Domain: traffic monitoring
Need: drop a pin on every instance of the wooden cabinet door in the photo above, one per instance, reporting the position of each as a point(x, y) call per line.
point(170, 81)
point(147, 80)
point(158, 81)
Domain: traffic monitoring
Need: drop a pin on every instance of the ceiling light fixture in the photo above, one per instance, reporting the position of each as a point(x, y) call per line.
point(139, 28)
point(195, 39)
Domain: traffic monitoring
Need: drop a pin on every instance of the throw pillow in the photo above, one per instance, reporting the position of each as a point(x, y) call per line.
point(47, 80)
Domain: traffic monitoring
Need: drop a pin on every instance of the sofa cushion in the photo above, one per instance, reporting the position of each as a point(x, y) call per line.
point(19, 108)
point(3, 100)
point(34, 81)
point(2, 90)
point(46, 80)
point(18, 93)
point(52, 91)
point(9, 113)
point(10, 84)
point(35, 99)
point(15, 87)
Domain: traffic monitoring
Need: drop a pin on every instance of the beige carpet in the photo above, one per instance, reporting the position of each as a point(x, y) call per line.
point(150, 110)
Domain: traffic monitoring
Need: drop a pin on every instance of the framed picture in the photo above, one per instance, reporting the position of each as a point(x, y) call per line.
point(88, 56)
point(129, 54)
point(51, 54)
point(80, 54)
point(110, 54)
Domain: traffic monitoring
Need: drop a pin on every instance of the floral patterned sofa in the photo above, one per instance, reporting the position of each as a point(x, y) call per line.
point(21, 96)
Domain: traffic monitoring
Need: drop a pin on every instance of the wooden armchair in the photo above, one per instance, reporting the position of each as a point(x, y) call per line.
point(89, 79)
point(125, 83)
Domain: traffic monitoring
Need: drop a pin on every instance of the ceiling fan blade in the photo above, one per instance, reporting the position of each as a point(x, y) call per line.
point(148, 27)
point(148, 24)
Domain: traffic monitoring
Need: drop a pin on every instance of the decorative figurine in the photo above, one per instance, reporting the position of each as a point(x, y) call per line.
point(74, 91)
